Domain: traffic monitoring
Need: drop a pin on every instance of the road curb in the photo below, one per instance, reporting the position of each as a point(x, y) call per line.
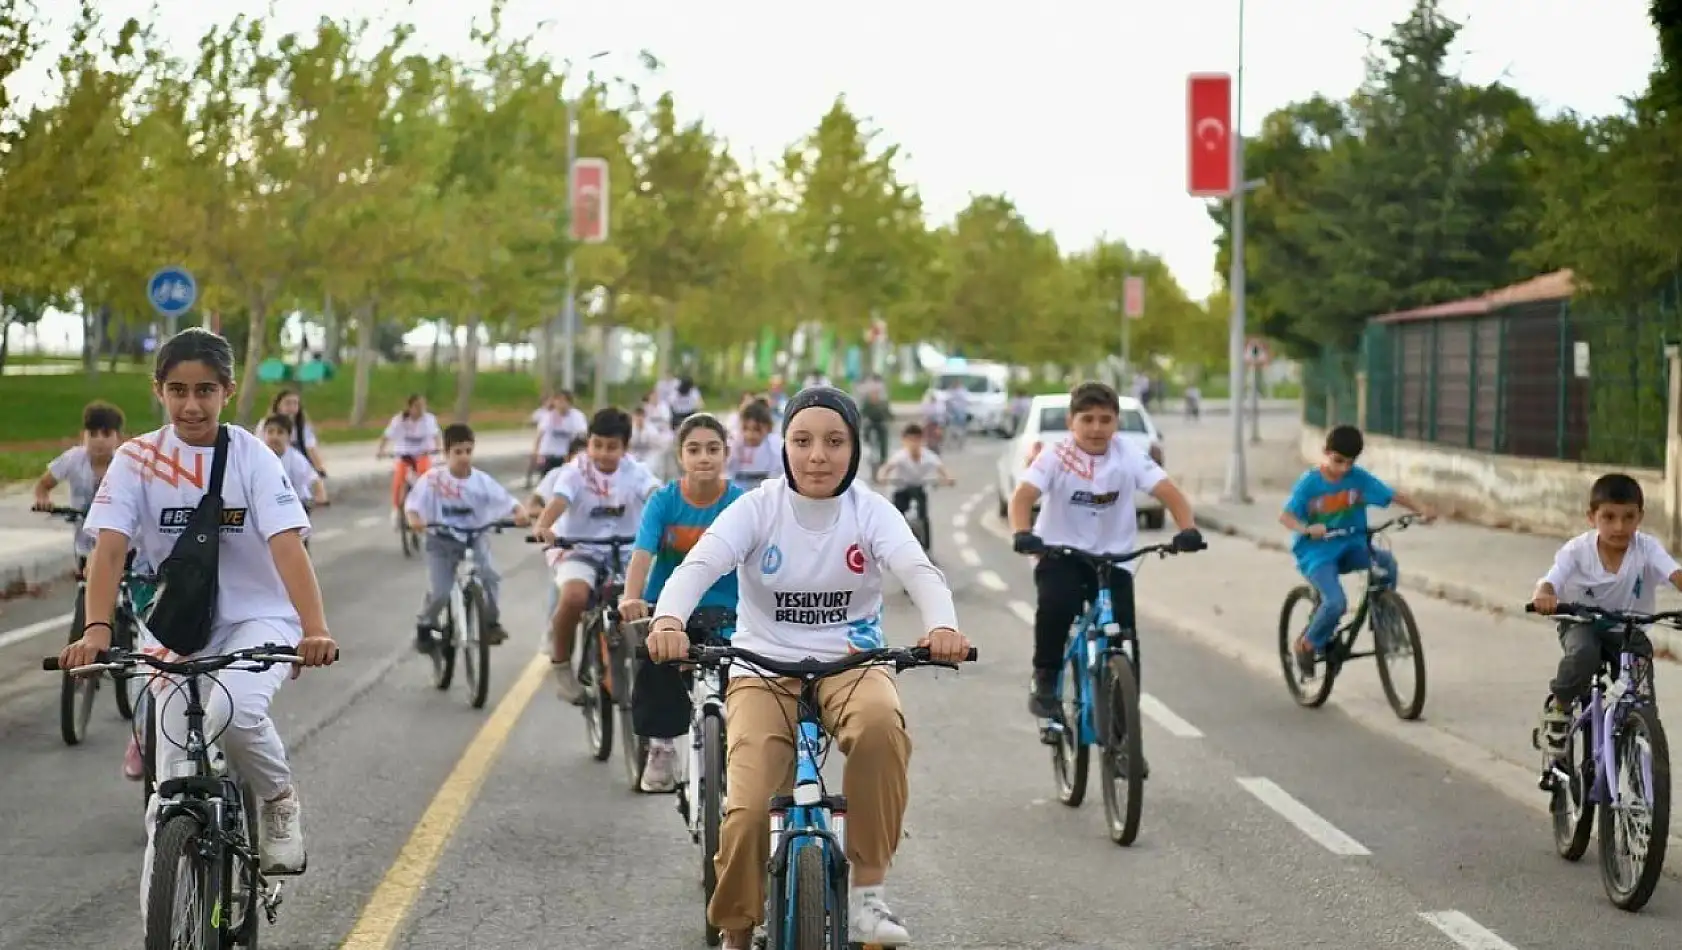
point(1514, 779)
point(1664, 641)
point(43, 570)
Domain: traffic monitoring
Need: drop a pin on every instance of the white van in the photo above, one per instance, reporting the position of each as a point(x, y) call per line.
point(988, 385)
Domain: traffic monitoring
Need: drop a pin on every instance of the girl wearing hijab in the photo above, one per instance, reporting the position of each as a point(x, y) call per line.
point(812, 531)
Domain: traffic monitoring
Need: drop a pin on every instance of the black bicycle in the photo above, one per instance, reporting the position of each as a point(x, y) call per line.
point(700, 797)
point(461, 630)
point(77, 695)
point(606, 670)
point(207, 882)
point(1395, 636)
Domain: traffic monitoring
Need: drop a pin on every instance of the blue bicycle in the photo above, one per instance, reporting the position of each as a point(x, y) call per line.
point(807, 909)
point(1623, 768)
point(1101, 707)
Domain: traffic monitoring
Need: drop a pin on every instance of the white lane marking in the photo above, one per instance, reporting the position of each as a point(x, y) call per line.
point(1465, 931)
point(960, 538)
point(1023, 611)
point(992, 581)
point(1324, 833)
point(327, 535)
point(35, 629)
point(1167, 718)
point(369, 521)
point(970, 557)
point(960, 519)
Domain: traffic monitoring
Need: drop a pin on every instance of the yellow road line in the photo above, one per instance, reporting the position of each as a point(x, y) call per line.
point(382, 917)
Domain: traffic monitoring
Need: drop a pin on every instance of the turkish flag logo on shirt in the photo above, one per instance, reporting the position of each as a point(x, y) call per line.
point(855, 559)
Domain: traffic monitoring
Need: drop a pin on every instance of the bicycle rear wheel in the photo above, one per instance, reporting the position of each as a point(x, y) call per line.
point(1573, 815)
point(1070, 756)
point(1633, 833)
point(1396, 640)
point(76, 695)
point(183, 899)
point(1123, 757)
point(475, 650)
point(711, 805)
point(1310, 693)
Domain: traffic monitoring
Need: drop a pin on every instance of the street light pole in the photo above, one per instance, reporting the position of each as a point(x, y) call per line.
point(569, 315)
point(1236, 481)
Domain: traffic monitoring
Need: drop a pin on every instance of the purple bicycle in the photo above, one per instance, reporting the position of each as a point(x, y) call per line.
point(1624, 741)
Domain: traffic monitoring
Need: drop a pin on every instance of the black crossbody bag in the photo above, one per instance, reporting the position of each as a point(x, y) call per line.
point(184, 610)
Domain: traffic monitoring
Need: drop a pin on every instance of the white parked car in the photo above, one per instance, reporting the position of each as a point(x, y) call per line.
point(1048, 420)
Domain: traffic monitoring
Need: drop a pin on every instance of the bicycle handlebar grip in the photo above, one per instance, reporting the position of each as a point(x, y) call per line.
point(50, 664)
point(973, 653)
point(1529, 608)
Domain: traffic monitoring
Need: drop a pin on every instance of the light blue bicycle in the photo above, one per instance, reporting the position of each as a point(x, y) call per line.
point(807, 894)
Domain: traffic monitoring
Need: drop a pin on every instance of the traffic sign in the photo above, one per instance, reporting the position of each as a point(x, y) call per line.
point(172, 291)
point(1133, 297)
point(1208, 135)
point(1255, 352)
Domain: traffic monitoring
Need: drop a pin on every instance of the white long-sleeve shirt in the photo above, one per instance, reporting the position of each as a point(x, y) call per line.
point(810, 572)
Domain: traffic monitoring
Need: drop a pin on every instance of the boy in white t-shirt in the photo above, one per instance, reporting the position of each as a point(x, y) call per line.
point(755, 453)
point(82, 466)
point(465, 498)
point(908, 472)
point(559, 422)
point(1085, 485)
point(1613, 567)
point(599, 494)
point(277, 435)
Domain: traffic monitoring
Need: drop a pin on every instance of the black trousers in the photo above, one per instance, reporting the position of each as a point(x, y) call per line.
point(904, 498)
point(1585, 645)
point(1066, 586)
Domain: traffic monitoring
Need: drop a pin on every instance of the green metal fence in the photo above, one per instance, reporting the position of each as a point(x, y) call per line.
point(1539, 379)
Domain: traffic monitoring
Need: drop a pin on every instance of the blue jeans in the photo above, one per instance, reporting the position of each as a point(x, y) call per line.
point(1354, 557)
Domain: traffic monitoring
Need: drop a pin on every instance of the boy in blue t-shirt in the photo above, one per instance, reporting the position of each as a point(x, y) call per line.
point(1333, 497)
point(673, 520)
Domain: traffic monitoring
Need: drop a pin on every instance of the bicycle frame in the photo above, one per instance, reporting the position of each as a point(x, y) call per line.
point(808, 818)
point(1088, 646)
point(1598, 722)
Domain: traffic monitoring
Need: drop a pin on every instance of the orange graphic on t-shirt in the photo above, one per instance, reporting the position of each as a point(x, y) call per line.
point(446, 486)
point(151, 463)
point(1076, 462)
point(682, 538)
point(1335, 503)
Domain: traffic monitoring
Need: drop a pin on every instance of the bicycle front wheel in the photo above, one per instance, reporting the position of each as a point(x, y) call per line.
point(598, 702)
point(711, 805)
point(183, 899)
point(129, 685)
point(475, 651)
point(1400, 654)
point(1123, 757)
point(810, 896)
point(1634, 827)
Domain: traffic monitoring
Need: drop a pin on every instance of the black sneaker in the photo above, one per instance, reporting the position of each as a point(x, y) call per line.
point(423, 638)
point(1042, 695)
point(1305, 661)
point(494, 634)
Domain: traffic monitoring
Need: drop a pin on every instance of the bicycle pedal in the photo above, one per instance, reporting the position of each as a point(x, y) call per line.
point(1051, 732)
point(1536, 739)
point(272, 899)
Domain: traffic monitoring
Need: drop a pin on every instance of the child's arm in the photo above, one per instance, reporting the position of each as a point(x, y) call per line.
point(1546, 596)
point(1179, 508)
point(636, 578)
point(1410, 503)
point(318, 491)
point(1294, 516)
point(44, 490)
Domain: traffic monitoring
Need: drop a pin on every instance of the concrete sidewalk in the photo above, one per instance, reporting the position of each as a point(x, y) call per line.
point(35, 549)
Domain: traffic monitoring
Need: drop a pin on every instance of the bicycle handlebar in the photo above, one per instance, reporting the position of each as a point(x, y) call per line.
point(496, 526)
point(901, 658)
point(1160, 550)
point(1627, 617)
point(614, 541)
point(1398, 523)
point(117, 660)
point(69, 514)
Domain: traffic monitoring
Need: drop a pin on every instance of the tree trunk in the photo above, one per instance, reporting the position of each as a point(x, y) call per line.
point(467, 368)
point(5, 337)
point(663, 344)
point(546, 357)
point(367, 322)
point(256, 344)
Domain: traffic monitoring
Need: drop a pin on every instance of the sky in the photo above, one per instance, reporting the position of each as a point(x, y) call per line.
point(1075, 109)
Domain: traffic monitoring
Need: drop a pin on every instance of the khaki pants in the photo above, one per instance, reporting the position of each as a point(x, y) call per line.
point(861, 712)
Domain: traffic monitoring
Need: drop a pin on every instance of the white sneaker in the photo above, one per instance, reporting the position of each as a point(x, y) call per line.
point(872, 922)
point(657, 772)
point(281, 834)
point(567, 686)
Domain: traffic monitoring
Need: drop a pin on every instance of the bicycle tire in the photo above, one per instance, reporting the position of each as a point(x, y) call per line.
point(810, 897)
point(406, 536)
point(1309, 699)
point(173, 847)
point(1640, 890)
point(126, 693)
point(1573, 815)
point(1390, 603)
point(250, 880)
point(1070, 757)
point(633, 748)
point(149, 750)
point(711, 805)
point(444, 652)
point(1123, 756)
point(475, 649)
point(76, 695)
point(598, 705)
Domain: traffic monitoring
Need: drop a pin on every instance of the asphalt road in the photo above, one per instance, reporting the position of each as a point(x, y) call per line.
point(432, 825)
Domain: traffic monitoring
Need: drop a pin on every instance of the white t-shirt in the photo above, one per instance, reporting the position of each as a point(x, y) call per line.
point(1578, 576)
point(805, 592)
point(599, 504)
point(905, 472)
point(309, 435)
point(1087, 500)
point(749, 465)
point(559, 428)
point(686, 402)
point(647, 442)
point(657, 414)
point(73, 469)
point(156, 481)
point(468, 503)
point(297, 467)
point(414, 436)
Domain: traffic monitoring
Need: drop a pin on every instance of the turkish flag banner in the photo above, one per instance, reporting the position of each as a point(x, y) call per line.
point(589, 200)
point(1209, 135)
